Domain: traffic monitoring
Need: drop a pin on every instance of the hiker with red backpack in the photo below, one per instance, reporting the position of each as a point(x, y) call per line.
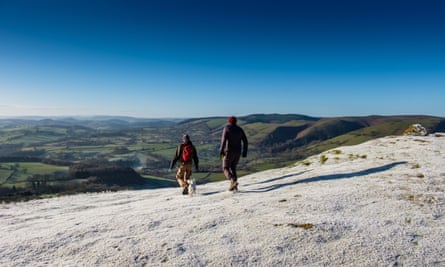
point(186, 154)
point(233, 145)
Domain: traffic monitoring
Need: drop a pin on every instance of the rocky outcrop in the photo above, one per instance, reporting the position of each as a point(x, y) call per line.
point(416, 130)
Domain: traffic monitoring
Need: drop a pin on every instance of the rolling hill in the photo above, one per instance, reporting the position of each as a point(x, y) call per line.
point(292, 136)
point(147, 145)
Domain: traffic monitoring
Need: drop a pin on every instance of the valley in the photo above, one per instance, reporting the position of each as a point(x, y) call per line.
point(43, 156)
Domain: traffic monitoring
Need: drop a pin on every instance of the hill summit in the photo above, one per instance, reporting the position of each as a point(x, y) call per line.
point(380, 203)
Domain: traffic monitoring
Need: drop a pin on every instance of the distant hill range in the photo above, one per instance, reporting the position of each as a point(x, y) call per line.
point(273, 137)
point(94, 122)
point(294, 136)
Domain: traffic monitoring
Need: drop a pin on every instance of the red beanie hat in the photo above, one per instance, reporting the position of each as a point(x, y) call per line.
point(232, 120)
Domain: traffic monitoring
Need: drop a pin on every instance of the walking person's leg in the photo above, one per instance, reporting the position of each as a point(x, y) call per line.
point(181, 177)
point(233, 165)
point(229, 167)
point(187, 172)
point(226, 167)
point(227, 170)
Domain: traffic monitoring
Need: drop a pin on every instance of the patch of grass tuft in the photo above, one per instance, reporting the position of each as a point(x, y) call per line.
point(420, 175)
point(336, 151)
point(415, 166)
point(323, 159)
point(305, 226)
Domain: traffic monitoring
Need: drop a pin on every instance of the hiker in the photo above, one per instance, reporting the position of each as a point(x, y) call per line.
point(186, 154)
point(230, 150)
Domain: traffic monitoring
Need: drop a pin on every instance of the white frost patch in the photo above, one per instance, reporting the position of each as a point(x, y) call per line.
point(380, 203)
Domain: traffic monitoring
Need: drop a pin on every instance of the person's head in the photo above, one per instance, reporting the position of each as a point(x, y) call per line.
point(185, 138)
point(232, 120)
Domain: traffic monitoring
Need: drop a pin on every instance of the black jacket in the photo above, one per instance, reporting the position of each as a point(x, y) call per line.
point(233, 139)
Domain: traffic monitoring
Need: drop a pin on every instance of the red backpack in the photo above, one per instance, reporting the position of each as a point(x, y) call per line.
point(187, 152)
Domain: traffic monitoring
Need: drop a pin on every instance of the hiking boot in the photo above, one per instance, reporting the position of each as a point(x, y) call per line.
point(233, 185)
point(186, 190)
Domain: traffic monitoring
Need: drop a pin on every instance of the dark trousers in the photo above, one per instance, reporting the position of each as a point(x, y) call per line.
point(229, 164)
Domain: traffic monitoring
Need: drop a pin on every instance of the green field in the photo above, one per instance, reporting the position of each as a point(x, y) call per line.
point(17, 173)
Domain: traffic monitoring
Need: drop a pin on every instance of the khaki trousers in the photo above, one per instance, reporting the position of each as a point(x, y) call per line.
point(183, 174)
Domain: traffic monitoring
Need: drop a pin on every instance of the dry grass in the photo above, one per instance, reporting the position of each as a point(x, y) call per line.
point(323, 159)
point(415, 166)
point(306, 226)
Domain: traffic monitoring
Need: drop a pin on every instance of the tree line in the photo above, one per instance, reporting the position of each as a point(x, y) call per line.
point(81, 178)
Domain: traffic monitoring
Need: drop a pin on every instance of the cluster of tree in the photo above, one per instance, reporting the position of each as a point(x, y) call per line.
point(81, 178)
point(19, 159)
point(38, 189)
point(105, 174)
point(34, 159)
point(7, 149)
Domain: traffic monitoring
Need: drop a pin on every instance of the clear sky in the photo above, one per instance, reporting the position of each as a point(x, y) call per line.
point(180, 58)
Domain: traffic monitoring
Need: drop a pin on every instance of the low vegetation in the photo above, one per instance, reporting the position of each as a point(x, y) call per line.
point(323, 159)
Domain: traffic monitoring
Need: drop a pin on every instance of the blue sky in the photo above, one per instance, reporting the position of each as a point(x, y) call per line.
point(176, 58)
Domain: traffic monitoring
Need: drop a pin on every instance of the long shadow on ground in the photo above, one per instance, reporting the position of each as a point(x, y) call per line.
point(278, 178)
point(326, 177)
point(211, 193)
point(262, 182)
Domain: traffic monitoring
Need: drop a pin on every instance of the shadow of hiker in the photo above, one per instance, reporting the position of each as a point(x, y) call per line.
point(330, 177)
point(211, 193)
point(278, 178)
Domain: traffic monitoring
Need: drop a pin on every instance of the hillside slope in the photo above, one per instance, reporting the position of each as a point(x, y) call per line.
point(277, 139)
point(380, 203)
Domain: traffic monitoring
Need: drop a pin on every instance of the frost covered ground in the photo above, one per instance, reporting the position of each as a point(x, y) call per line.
point(380, 203)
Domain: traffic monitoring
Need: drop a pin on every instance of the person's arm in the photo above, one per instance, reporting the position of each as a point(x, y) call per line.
point(223, 142)
point(245, 144)
point(175, 157)
point(195, 158)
